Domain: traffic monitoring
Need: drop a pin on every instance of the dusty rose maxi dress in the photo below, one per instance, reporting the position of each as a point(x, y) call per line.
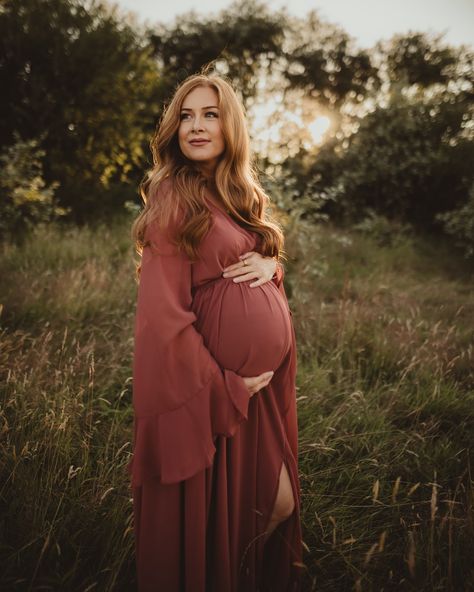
point(207, 456)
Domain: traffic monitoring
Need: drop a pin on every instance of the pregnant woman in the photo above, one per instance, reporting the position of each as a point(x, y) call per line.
point(214, 473)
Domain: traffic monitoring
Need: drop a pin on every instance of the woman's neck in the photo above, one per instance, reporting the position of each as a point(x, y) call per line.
point(211, 183)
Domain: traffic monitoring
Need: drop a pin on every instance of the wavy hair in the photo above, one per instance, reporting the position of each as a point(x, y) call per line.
point(236, 179)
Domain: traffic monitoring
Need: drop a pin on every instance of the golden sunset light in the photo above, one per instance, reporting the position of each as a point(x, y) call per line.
point(270, 122)
point(319, 127)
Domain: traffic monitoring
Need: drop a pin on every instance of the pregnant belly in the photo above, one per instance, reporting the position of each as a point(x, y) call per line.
point(247, 330)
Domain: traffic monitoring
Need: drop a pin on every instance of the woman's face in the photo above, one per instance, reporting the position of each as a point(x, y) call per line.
point(200, 120)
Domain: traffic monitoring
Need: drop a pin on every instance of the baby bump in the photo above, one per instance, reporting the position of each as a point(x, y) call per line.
point(247, 330)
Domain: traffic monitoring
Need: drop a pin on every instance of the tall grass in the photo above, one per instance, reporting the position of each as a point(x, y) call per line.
point(66, 343)
point(386, 411)
point(385, 405)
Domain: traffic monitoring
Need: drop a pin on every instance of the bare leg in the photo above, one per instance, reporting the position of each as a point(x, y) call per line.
point(284, 503)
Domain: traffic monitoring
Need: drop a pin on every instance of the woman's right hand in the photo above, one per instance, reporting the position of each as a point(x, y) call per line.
point(255, 383)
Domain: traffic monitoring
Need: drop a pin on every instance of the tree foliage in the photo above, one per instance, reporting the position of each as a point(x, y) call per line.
point(459, 225)
point(408, 161)
point(421, 60)
point(243, 41)
point(90, 88)
point(25, 198)
point(83, 80)
point(409, 158)
point(323, 61)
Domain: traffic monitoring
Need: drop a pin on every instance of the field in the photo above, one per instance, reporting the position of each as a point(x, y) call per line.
point(385, 326)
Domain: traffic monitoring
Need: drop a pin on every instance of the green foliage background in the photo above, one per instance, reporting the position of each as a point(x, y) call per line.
point(88, 88)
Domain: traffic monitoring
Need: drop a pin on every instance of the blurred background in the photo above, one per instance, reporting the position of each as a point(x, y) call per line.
point(361, 118)
point(377, 122)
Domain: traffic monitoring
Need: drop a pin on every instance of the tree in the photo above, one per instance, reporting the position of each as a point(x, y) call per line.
point(323, 61)
point(409, 156)
point(409, 161)
point(243, 41)
point(424, 60)
point(83, 80)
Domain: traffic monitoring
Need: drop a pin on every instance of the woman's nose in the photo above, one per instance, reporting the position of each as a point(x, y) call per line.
point(197, 124)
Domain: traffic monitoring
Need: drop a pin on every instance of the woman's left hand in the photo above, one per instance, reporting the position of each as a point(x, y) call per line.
point(256, 266)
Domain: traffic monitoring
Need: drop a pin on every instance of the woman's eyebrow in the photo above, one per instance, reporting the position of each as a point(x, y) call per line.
point(209, 107)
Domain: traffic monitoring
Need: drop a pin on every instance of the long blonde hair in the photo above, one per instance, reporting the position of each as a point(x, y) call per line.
point(236, 178)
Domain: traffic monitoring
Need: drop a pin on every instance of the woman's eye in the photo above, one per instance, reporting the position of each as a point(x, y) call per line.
point(183, 115)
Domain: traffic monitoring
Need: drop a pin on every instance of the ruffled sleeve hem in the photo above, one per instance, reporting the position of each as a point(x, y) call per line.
point(175, 445)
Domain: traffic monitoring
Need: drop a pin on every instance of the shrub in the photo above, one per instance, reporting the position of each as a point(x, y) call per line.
point(459, 224)
point(25, 199)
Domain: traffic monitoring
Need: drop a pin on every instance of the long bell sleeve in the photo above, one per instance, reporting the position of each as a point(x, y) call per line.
point(182, 398)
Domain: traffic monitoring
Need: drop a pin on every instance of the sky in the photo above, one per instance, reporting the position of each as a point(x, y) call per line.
point(368, 21)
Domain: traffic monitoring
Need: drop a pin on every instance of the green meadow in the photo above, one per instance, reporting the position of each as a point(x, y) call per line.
point(384, 324)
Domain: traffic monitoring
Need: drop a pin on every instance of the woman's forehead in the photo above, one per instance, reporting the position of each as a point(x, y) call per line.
point(200, 98)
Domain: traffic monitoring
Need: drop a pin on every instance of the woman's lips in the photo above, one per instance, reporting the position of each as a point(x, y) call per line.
point(199, 142)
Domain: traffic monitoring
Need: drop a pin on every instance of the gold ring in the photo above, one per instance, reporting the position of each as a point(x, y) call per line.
point(245, 261)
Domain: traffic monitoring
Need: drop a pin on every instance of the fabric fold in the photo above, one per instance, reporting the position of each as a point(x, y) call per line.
point(182, 398)
point(176, 445)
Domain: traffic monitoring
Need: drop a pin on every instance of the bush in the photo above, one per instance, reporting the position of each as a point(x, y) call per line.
point(25, 199)
point(382, 230)
point(459, 224)
point(408, 161)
